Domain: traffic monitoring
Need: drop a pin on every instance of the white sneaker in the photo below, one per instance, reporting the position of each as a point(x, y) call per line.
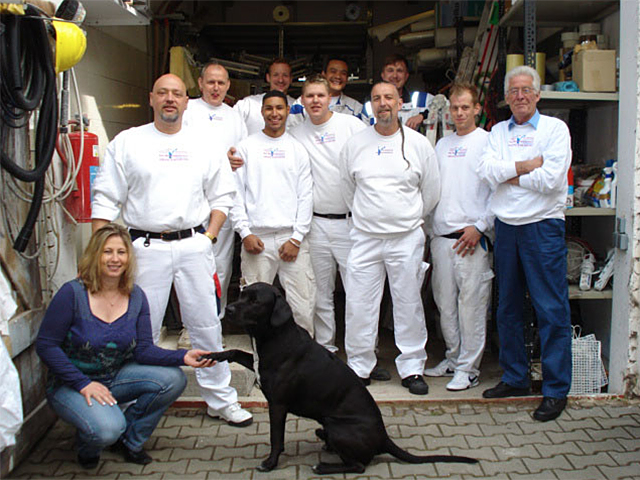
point(462, 381)
point(233, 414)
point(441, 370)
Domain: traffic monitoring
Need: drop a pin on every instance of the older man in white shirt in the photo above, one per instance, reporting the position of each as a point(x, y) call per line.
point(526, 160)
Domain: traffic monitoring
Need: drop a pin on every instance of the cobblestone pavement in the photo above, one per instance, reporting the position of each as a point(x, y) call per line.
point(593, 439)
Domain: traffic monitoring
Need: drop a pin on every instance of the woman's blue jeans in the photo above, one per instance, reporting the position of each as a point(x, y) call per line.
point(154, 389)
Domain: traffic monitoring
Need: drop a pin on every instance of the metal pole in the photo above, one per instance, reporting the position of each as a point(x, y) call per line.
point(530, 33)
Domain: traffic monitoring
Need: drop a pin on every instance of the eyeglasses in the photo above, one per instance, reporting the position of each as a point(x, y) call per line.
point(512, 92)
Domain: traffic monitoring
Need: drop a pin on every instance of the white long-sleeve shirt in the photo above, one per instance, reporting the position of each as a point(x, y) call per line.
point(386, 194)
point(542, 193)
point(464, 197)
point(323, 144)
point(162, 182)
point(250, 110)
point(275, 189)
point(218, 125)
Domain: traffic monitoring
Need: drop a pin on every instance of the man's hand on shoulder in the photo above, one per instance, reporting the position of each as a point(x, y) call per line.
point(235, 161)
point(252, 244)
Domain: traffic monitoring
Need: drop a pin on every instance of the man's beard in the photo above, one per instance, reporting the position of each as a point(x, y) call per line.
point(169, 118)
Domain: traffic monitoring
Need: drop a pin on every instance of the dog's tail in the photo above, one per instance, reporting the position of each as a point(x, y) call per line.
point(400, 454)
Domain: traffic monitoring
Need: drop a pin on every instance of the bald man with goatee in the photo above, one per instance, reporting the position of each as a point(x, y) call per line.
point(174, 196)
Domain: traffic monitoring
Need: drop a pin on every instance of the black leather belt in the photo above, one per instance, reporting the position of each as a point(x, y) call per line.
point(453, 236)
point(166, 236)
point(332, 216)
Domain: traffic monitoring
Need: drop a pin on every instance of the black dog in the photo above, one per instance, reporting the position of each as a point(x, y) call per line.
point(298, 375)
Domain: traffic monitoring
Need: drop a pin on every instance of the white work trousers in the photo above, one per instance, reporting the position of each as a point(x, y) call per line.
point(295, 277)
point(223, 251)
point(462, 290)
point(329, 244)
point(189, 264)
point(401, 258)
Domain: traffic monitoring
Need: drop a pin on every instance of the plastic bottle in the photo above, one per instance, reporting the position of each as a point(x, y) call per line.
point(614, 182)
point(570, 199)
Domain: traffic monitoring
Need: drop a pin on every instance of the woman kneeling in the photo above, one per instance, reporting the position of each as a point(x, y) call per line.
point(96, 340)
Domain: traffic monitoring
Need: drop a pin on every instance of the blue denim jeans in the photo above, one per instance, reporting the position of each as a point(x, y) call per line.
point(534, 257)
point(153, 388)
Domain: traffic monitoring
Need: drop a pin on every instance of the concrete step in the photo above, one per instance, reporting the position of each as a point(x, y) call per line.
point(242, 379)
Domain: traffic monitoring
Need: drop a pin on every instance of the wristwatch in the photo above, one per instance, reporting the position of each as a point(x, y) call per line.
point(210, 236)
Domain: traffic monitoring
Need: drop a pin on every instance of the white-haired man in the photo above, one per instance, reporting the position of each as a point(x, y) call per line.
point(526, 161)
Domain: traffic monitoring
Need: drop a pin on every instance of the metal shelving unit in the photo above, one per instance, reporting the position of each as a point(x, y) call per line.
point(590, 212)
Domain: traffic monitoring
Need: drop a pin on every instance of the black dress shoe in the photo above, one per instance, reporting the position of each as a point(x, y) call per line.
point(415, 384)
point(88, 462)
point(550, 409)
point(365, 381)
point(503, 390)
point(380, 374)
point(141, 457)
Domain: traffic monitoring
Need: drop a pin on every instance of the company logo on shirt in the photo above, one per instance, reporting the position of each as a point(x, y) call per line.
point(456, 152)
point(273, 153)
point(521, 141)
point(384, 151)
point(325, 138)
point(213, 116)
point(173, 155)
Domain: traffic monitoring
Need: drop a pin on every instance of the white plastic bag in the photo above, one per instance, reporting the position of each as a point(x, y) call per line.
point(10, 400)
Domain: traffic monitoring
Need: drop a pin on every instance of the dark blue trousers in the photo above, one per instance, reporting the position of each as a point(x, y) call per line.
point(534, 256)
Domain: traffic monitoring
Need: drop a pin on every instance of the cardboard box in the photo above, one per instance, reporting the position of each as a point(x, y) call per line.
point(595, 70)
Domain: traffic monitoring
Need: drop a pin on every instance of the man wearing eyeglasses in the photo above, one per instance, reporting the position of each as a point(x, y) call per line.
point(526, 161)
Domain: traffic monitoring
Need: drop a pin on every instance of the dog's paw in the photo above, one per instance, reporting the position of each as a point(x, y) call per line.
point(267, 466)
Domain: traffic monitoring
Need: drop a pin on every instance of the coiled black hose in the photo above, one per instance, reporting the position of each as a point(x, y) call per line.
point(28, 80)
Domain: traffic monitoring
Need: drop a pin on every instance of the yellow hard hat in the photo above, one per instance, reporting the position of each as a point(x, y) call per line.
point(71, 43)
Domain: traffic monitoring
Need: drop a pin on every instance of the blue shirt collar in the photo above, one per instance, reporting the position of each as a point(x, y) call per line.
point(533, 121)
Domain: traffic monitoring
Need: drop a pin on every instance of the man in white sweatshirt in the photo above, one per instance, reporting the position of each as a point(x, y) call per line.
point(390, 182)
point(279, 78)
point(526, 160)
point(221, 127)
point(167, 183)
point(336, 71)
point(323, 134)
point(462, 273)
point(273, 208)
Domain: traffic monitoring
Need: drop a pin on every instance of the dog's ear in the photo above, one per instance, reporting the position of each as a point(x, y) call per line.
point(281, 312)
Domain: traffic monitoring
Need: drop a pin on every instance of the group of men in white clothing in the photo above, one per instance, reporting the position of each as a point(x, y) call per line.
point(319, 194)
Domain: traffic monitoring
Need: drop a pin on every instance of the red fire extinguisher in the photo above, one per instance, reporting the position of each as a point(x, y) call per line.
point(79, 201)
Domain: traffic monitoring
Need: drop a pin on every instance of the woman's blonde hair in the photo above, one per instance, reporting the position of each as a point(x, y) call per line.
point(89, 269)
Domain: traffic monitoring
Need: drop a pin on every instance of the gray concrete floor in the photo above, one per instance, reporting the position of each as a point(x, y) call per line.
point(595, 438)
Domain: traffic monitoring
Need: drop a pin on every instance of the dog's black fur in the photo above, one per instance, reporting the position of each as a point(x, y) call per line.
point(300, 376)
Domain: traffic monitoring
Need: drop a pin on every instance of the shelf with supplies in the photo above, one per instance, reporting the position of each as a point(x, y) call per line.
point(576, 294)
point(560, 13)
point(552, 98)
point(589, 212)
